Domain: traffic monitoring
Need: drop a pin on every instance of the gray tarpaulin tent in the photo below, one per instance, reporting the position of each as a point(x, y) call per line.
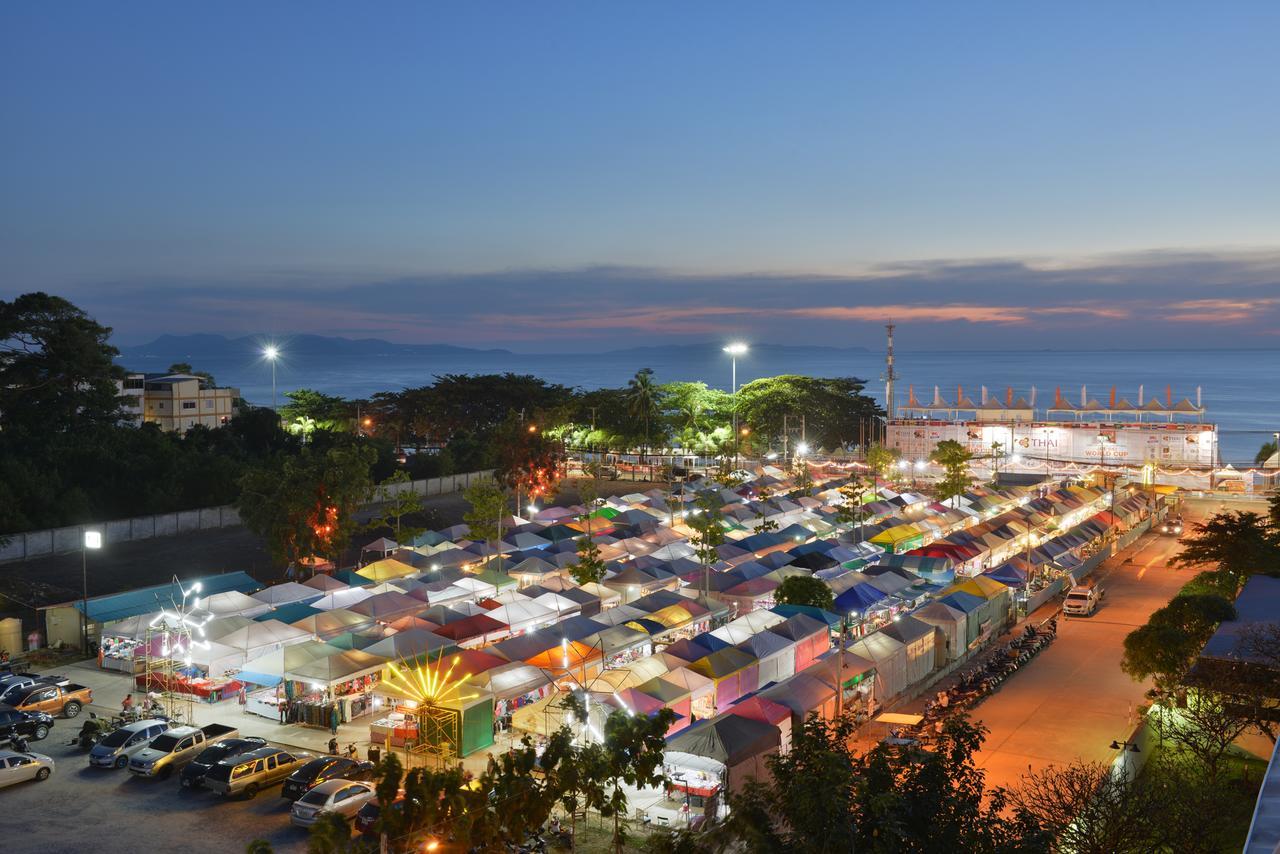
point(739, 744)
point(890, 658)
point(921, 650)
point(951, 622)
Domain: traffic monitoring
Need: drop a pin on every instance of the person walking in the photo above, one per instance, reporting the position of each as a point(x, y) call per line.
point(333, 719)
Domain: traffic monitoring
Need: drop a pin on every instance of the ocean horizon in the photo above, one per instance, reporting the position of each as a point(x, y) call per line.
point(1240, 389)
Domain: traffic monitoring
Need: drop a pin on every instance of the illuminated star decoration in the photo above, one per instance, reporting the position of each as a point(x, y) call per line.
point(429, 683)
point(189, 624)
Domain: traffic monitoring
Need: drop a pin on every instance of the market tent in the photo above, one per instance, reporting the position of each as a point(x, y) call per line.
point(890, 659)
point(385, 607)
point(804, 694)
point(741, 746)
point(479, 589)
point(567, 657)
point(286, 594)
point(616, 640)
point(648, 668)
point(475, 630)
point(130, 627)
point(216, 658)
point(549, 714)
point(951, 622)
point(356, 640)
point(344, 598)
point(811, 637)
point(619, 614)
point(329, 624)
point(277, 662)
point(758, 708)
point(523, 616)
point(634, 702)
point(919, 638)
point(559, 604)
point(734, 672)
point(221, 626)
point(259, 638)
point(973, 608)
point(382, 545)
point(511, 680)
point(324, 583)
point(1008, 574)
point(409, 645)
point(859, 598)
point(386, 570)
point(739, 630)
point(231, 603)
point(340, 667)
point(670, 694)
point(775, 654)
point(821, 615)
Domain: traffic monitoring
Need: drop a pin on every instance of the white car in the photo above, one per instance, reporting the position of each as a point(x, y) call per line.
point(115, 750)
point(18, 767)
point(336, 797)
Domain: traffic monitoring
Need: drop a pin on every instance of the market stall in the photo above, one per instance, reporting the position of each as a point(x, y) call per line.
point(343, 681)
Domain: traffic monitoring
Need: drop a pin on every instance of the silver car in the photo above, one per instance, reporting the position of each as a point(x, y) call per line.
point(115, 750)
point(18, 767)
point(332, 797)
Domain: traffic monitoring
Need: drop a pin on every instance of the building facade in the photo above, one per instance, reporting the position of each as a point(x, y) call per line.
point(177, 402)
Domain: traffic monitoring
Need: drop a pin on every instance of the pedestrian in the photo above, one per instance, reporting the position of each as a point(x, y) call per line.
point(283, 706)
point(243, 697)
point(333, 719)
point(100, 657)
point(126, 705)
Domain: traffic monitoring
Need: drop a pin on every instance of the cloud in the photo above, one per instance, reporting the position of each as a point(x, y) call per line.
point(937, 304)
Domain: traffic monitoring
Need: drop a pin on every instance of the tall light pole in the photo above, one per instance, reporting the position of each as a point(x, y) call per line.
point(92, 540)
point(271, 352)
point(735, 350)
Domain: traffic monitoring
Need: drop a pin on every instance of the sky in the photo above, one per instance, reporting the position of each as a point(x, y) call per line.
point(575, 176)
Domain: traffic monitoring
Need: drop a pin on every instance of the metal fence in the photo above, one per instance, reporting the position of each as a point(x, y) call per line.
point(30, 545)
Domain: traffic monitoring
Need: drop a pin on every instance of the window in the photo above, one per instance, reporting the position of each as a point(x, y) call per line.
point(186, 744)
point(271, 763)
point(188, 404)
point(208, 404)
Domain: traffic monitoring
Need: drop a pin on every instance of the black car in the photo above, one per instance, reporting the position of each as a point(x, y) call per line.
point(32, 725)
point(192, 776)
point(324, 768)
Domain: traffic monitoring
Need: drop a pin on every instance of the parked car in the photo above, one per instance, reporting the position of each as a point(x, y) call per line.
point(336, 797)
point(324, 768)
point(32, 725)
point(1082, 600)
point(250, 772)
point(13, 683)
point(367, 817)
point(193, 774)
point(66, 699)
point(1172, 525)
point(171, 750)
point(117, 748)
point(18, 767)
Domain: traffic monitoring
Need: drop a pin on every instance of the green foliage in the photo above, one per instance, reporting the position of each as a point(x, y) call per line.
point(707, 523)
point(954, 459)
point(823, 797)
point(850, 511)
point(305, 504)
point(643, 396)
point(804, 590)
point(1166, 645)
point(882, 459)
point(309, 410)
point(1266, 452)
point(633, 749)
point(835, 410)
point(397, 500)
point(590, 566)
point(527, 459)
point(331, 834)
point(488, 506)
point(1239, 543)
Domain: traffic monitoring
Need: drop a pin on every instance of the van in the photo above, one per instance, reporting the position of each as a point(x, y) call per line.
point(249, 773)
point(115, 750)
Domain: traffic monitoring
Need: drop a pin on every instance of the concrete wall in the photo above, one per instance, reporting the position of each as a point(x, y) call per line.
point(35, 544)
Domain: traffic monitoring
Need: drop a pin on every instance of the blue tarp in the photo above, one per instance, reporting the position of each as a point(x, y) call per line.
point(858, 598)
point(1008, 574)
point(257, 678)
point(291, 613)
point(966, 602)
point(789, 611)
point(148, 600)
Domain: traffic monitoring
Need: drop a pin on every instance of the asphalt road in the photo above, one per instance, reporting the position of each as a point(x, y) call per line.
point(82, 809)
point(1073, 699)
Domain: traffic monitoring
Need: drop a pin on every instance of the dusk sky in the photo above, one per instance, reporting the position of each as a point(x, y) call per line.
point(563, 177)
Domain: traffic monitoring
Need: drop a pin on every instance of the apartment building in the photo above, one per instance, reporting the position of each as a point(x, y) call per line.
point(177, 402)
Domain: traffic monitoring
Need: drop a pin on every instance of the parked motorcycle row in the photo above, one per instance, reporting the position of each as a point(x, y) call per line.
point(977, 684)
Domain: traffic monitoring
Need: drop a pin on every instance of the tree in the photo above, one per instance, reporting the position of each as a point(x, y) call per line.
point(590, 567)
point(1089, 809)
point(528, 461)
point(322, 411)
point(800, 473)
point(305, 505)
point(1266, 452)
point(206, 378)
point(488, 506)
point(57, 373)
point(331, 834)
point(397, 499)
point(1240, 543)
point(804, 590)
point(642, 399)
point(881, 460)
point(516, 800)
point(1206, 727)
point(1166, 644)
point(851, 510)
point(705, 519)
point(633, 751)
point(836, 412)
point(954, 459)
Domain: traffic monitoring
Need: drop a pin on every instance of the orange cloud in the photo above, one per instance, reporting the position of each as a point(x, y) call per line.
point(1217, 310)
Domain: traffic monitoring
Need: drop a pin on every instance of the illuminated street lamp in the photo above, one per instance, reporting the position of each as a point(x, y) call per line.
point(735, 350)
point(271, 353)
point(802, 449)
point(92, 540)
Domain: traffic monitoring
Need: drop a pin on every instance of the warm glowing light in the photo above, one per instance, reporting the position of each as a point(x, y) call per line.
point(533, 428)
point(368, 422)
point(431, 682)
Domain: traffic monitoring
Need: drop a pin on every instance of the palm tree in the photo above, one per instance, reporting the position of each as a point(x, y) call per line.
point(642, 398)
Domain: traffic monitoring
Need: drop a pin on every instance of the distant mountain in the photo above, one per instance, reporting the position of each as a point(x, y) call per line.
point(195, 347)
point(716, 348)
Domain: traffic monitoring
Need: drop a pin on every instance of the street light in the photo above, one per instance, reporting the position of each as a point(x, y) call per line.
point(802, 449)
point(735, 350)
point(271, 352)
point(92, 540)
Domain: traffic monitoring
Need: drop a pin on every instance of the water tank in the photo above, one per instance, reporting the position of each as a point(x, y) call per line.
point(11, 635)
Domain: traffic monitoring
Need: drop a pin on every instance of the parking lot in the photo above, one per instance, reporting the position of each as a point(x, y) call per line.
point(86, 809)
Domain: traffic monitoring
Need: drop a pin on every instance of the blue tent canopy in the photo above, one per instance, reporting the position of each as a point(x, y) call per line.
point(858, 598)
point(291, 613)
point(1008, 574)
point(120, 606)
point(789, 611)
point(966, 602)
point(820, 546)
point(257, 678)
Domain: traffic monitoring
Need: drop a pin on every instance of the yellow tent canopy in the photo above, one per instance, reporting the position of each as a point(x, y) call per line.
point(386, 570)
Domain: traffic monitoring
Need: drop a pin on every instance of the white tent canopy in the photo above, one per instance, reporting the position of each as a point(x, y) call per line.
point(285, 594)
point(341, 599)
point(232, 603)
point(259, 638)
point(523, 616)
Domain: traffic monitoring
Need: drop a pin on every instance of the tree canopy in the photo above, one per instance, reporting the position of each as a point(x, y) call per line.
point(804, 590)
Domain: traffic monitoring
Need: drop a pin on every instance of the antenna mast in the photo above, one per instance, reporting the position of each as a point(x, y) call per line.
point(889, 376)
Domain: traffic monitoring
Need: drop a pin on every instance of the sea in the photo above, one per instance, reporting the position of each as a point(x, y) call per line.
point(1240, 389)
